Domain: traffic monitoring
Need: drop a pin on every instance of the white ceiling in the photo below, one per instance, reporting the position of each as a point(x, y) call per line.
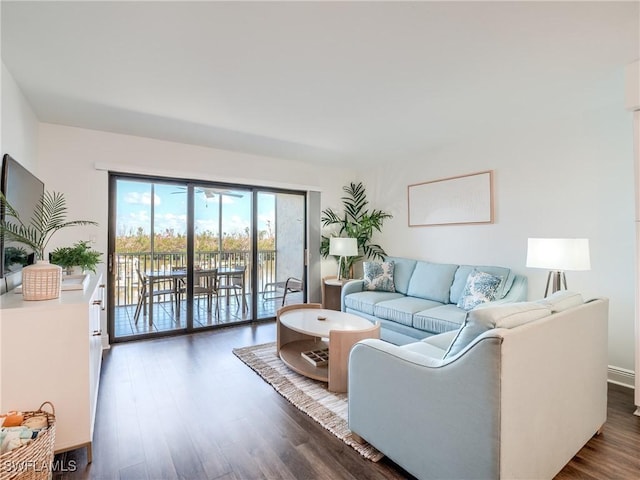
point(315, 81)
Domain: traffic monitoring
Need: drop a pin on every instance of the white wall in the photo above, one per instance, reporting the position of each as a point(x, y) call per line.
point(632, 103)
point(570, 177)
point(632, 86)
point(19, 125)
point(68, 157)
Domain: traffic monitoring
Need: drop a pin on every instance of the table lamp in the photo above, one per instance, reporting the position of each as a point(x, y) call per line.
point(558, 255)
point(342, 247)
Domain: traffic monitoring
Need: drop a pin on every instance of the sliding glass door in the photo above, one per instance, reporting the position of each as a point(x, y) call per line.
point(149, 250)
point(186, 256)
point(222, 246)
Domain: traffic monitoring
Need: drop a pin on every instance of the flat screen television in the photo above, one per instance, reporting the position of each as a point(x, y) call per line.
point(23, 191)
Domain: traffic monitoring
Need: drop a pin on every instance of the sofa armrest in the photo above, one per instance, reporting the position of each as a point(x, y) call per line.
point(517, 292)
point(350, 287)
point(429, 415)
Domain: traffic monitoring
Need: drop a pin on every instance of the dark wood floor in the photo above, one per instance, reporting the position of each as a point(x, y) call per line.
point(185, 407)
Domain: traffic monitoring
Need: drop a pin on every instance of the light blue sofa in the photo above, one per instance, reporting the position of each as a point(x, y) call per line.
point(425, 299)
point(523, 392)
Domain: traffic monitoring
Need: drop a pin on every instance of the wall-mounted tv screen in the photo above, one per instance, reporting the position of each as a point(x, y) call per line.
point(23, 191)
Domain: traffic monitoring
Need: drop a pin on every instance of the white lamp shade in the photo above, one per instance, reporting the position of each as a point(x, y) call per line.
point(343, 247)
point(559, 254)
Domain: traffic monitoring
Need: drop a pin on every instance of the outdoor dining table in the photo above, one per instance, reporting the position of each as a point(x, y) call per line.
point(180, 274)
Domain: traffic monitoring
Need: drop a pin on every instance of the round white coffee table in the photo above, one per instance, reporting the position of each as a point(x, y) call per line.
point(304, 340)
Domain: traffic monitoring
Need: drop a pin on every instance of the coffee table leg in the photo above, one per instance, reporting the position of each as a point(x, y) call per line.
point(340, 343)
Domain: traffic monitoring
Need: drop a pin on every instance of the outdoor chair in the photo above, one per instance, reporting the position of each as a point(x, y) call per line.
point(290, 285)
point(143, 294)
point(234, 282)
point(205, 284)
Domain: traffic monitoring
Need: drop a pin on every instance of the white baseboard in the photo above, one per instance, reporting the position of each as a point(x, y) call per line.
point(621, 376)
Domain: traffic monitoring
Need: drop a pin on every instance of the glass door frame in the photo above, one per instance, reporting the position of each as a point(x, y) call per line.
point(191, 185)
point(114, 177)
point(221, 191)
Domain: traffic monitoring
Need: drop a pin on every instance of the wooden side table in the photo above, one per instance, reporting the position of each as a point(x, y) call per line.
point(332, 292)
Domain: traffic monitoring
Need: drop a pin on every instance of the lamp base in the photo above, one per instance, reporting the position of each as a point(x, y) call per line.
point(555, 278)
point(340, 268)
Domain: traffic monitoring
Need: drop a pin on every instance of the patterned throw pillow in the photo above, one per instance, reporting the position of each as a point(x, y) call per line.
point(481, 287)
point(378, 276)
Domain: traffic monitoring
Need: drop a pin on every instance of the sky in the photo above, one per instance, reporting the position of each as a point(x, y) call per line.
point(134, 208)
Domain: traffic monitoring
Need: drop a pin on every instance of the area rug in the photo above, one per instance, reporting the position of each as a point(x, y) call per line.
point(310, 396)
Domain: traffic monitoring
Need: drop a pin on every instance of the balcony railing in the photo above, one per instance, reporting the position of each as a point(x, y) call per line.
point(126, 265)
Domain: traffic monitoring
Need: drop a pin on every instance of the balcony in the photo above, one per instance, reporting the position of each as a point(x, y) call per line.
point(169, 316)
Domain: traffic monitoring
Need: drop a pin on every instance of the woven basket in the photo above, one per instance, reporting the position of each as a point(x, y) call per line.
point(33, 461)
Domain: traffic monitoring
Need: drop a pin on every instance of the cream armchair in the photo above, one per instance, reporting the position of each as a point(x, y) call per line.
point(517, 402)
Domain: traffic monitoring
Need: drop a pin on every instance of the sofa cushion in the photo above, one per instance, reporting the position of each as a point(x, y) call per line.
point(460, 280)
point(562, 300)
point(481, 287)
point(424, 348)
point(507, 315)
point(366, 301)
point(401, 310)
point(398, 334)
point(378, 276)
point(432, 281)
point(442, 340)
point(402, 271)
point(440, 319)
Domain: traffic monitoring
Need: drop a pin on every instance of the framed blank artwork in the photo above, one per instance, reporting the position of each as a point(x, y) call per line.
point(451, 201)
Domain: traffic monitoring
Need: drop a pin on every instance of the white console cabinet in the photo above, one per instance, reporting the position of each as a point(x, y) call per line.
point(51, 351)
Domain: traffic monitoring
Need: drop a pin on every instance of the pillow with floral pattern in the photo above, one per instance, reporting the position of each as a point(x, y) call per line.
point(481, 287)
point(378, 276)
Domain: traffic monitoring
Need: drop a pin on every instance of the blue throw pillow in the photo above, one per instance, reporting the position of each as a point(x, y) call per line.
point(378, 276)
point(481, 287)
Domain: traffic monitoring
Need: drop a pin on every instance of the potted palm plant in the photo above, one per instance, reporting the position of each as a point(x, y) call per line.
point(41, 281)
point(357, 222)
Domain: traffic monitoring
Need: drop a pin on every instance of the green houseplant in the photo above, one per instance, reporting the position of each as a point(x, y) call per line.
point(79, 255)
point(358, 222)
point(48, 217)
point(41, 281)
